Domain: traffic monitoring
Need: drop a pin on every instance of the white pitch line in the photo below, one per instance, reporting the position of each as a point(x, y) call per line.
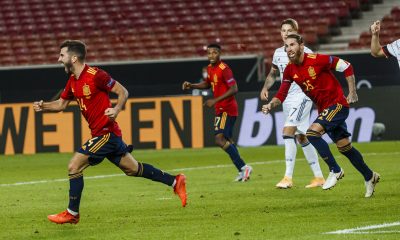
point(358, 230)
point(173, 170)
point(119, 175)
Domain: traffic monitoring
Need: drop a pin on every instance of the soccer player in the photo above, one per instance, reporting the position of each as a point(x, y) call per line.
point(296, 108)
point(220, 79)
point(90, 87)
point(390, 50)
point(312, 72)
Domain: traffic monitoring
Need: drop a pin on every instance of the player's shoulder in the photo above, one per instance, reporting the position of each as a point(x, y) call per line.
point(92, 70)
point(223, 66)
point(280, 52)
point(312, 55)
point(307, 50)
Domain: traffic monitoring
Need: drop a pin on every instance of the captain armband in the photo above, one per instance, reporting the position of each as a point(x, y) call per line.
point(344, 66)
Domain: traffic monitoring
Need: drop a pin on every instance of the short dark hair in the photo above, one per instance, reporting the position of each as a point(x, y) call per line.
point(298, 37)
point(291, 22)
point(75, 46)
point(214, 45)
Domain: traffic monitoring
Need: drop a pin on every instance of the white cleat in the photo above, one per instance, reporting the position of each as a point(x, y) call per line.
point(332, 179)
point(370, 185)
point(244, 174)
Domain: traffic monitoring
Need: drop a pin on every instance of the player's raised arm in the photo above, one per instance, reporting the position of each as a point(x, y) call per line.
point(269, 81)
point(376, 48)
point(54, 106)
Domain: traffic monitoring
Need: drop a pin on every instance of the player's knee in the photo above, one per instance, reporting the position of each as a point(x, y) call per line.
point(130, 172)
point(73, 168)
point(220, 140)
point(302, 139)
point(313, 135)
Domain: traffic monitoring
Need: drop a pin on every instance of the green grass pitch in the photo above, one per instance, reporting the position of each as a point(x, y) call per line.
point(118, 207)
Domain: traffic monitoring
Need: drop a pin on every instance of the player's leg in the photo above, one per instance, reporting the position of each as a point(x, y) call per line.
point(327, 121)
point(290, 156)
point(223, 130)
point(301, 119)
point(290, 110)
point(345, 147)
point(75, 168)
point(122, 158)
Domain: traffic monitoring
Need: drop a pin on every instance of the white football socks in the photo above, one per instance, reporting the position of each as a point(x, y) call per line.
point(312, 158)
point(290, 156)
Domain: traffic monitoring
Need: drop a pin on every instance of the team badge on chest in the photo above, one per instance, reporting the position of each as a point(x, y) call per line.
point(312, 73)
point(86, 91)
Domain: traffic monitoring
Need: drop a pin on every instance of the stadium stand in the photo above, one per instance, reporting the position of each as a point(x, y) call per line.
point(390, 31)
point(155, 29)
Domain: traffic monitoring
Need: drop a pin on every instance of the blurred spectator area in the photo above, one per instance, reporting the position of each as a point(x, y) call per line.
point(120, 30)
point(390, 31)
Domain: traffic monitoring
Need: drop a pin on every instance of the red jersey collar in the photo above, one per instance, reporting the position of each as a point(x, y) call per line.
point(83, 71)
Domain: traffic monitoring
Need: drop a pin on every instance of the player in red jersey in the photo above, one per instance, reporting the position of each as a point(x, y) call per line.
point(90, 87)
point(312, 72)
point(220, 79)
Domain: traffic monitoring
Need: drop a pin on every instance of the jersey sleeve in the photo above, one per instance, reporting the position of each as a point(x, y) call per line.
point(103, 80)
point(341, 65)
point(274, 59)
point(67, 93)
point(228, 77)
point(392, 49)
point(285, 85)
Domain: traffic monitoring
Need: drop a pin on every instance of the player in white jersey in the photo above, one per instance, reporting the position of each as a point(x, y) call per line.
point(390, 50)
point(296, 108)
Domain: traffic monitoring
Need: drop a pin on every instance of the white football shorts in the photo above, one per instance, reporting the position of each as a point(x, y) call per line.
point(297, 113)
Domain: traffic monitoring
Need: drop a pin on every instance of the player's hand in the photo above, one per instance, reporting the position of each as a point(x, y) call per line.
point(266, 108)
point(352, 98)
point(186, 86)
point(376, 27)
point(264, 94)
point(38, 106)
point(210, 102)
point(112, 113)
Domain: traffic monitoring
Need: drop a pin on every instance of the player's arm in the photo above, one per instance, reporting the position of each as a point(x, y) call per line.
point(122, 94)
point(201, 85)
point(53, 106)
point(279, 97)
point(341, 65)
point(269, 82)
point(231, 91)
point(376, 48)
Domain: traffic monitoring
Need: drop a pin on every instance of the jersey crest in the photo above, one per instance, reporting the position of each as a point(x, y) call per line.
point(86, 91)
point(311, 72)
point(222, 66)
point(215, 79)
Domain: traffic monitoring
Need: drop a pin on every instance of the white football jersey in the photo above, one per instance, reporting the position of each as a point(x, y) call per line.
point(281, 60)
point(394, 49)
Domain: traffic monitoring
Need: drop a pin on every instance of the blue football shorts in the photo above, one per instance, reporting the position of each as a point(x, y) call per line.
point(107, 146)
point(333, 120)
point(223, 123)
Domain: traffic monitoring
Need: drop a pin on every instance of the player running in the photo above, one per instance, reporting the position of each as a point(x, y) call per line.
point(312, 72)
point(90, 87)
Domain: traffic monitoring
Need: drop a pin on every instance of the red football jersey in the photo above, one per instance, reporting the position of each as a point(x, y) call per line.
point(91, 92)
point(315, 78)
point(221, 79)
